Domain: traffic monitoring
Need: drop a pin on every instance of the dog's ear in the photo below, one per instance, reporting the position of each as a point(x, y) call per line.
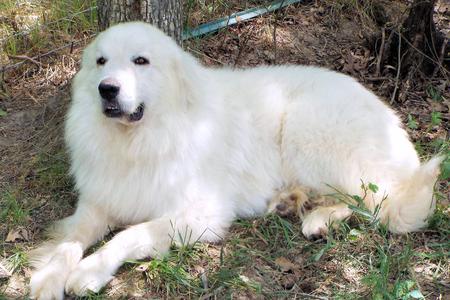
point(186, 71)
point(88, 57)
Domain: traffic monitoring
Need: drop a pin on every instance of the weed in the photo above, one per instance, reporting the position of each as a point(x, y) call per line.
point(72, 17)
point(204, 11)
point(171, 273)
point(12, 211)
point(357, 203)
point(368, 12)
point(16, 261)
point(440, 221)
point(434, 93)
point(436, 118)
point(52, 24)
point(94, 296)
point(412, 123)
point(391, 267)
point(7, 5)
point(52, 171)
point(276, 232)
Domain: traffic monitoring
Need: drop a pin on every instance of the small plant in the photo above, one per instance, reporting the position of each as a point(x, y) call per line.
point(406, 289)
point(388, 266)
point(16, 261)
point(412, 123)
point(357, 203)
point(434, 93)
point(12, 211)
point(436, 118)
point(52, 171)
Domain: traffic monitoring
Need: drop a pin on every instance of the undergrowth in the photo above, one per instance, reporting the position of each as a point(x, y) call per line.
point(265, 257)
point(31, 30)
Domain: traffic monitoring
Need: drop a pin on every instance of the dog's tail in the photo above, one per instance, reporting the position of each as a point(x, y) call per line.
point(411, 203)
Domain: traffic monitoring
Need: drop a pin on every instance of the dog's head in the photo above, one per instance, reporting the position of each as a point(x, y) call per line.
point(129, 68)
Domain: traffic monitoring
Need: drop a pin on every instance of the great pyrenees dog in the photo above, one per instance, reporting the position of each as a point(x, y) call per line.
point(165, 146)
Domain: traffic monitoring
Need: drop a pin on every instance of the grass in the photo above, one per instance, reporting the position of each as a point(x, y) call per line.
point(31, 30)
point(51, 170)
point(369, 12)
point(201, 269)
point(246, 262)
point(359, 259)
point(12, 211)
point(17, 260)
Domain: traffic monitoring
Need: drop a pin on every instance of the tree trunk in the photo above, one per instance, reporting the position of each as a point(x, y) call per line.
point(418, 46)
point(165, 14)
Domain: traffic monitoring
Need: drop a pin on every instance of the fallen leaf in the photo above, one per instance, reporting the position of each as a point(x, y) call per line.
point(284, 264)
point(15, 234)
point(142, 267)
point(288, 281)
point(4, 272)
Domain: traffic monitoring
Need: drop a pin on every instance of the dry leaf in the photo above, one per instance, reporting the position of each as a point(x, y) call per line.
point(4, 272)
point(142, 267)
point(288, 281)
point(15, 234)
point(284, 264)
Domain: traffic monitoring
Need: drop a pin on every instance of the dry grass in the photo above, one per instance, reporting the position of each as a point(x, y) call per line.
point(262, 258)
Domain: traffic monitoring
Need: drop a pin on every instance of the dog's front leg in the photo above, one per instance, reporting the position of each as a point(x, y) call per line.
point(55, 259)
point(139, 241)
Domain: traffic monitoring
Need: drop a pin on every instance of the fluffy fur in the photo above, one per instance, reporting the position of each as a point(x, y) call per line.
point(214, 145)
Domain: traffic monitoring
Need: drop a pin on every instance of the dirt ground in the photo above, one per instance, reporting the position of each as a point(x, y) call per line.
point(261, 258)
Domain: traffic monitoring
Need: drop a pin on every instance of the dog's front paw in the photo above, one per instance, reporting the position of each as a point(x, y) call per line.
point(290, 202)
point(88, 276)
point(315, 225)
point(48, 283)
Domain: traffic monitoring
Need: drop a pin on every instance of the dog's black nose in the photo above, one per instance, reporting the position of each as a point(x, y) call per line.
point(109, 89)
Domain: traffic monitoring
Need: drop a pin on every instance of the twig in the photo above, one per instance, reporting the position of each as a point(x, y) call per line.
point(206, 55)
point(275, 41)
point(310, 296)
point(399, 64)
point(243, 44)
point(380, 55)
point(275, 34)
point(377, 78)
point(427, 56)
point(214, 293)
point(441, 56)
point(13, 66)
point(24, 57)
point(38, 26)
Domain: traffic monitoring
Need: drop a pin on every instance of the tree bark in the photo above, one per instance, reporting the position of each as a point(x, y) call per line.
point(165, 14)
point(418, 46)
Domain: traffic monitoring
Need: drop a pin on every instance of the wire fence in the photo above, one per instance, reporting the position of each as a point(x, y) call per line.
point(205, 28)
point(45, 25)
point(90, 9)
point(41, 26)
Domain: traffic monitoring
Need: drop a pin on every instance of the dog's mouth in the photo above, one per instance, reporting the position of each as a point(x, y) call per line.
point(112, 109)
point(137, 114)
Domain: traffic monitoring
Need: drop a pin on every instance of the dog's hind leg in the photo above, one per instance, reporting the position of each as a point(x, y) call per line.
point(316, 224)
point(151, 238)
point(55, 259)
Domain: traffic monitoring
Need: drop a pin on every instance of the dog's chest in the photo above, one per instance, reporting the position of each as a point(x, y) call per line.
point(132, 192)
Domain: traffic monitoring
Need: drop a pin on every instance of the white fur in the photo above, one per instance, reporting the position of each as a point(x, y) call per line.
point(214, 145)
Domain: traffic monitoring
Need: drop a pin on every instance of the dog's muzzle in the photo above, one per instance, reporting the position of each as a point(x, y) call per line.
point(109, 90)
point(112, 109)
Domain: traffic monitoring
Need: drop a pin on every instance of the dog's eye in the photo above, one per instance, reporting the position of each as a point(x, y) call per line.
point(141, 61)
point(101, 61)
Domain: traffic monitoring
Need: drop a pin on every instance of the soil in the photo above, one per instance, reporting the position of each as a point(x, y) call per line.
point(318, 33)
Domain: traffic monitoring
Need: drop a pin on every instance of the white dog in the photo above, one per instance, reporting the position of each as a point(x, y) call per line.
point(165, 145)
